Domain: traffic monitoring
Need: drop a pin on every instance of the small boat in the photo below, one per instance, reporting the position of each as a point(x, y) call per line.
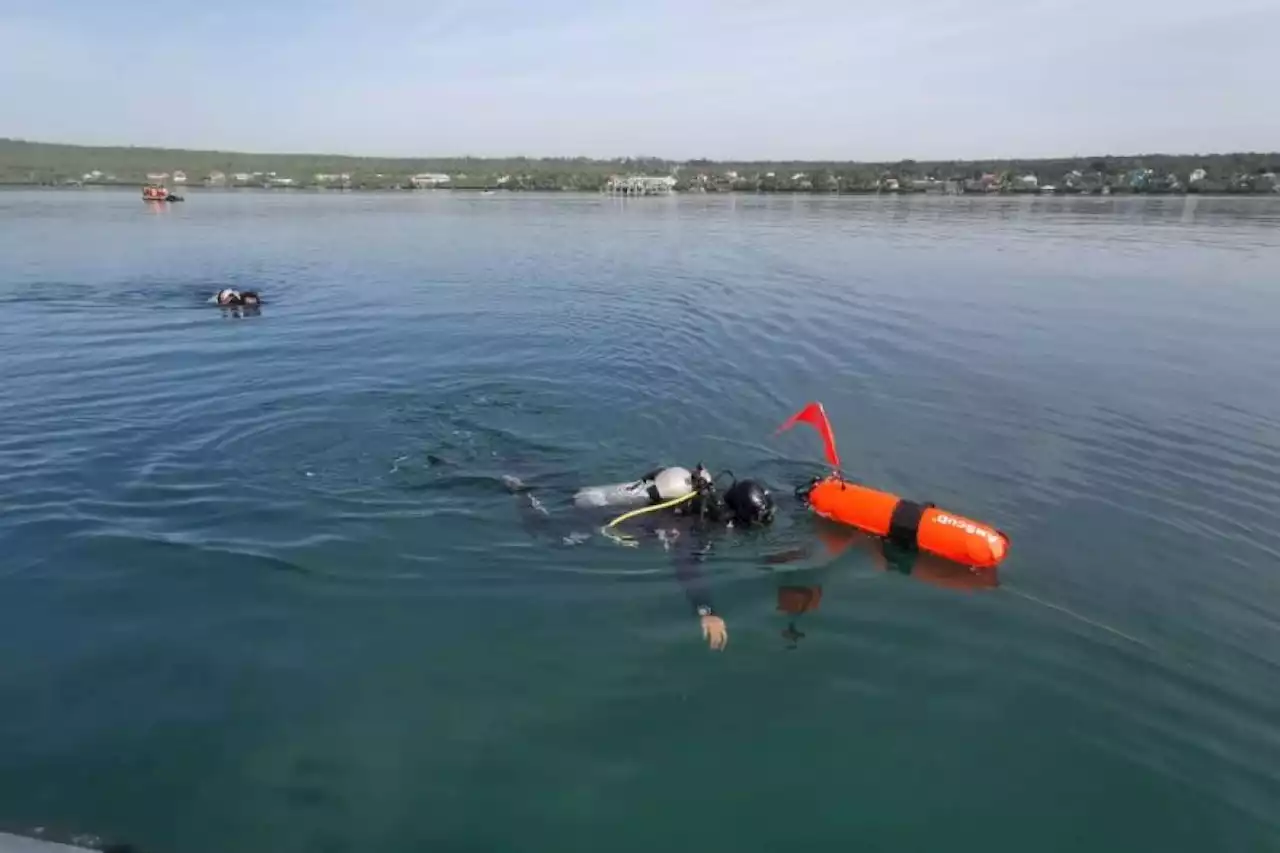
point(155, 192)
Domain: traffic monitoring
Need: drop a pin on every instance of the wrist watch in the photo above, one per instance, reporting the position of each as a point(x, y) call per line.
point(704, 609)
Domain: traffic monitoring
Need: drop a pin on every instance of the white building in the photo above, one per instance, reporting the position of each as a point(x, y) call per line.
point(179, 177)
point(1198, 175)
point(640, 185)
point(428, 180)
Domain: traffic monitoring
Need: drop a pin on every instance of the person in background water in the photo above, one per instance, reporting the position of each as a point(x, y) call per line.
point(685, 529)
point(228, 297)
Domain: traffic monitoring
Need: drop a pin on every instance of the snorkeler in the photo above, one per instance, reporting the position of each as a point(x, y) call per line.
point(678, 508)
point(230, 297)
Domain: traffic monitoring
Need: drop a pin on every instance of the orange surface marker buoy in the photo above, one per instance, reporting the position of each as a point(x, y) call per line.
point(906, 523)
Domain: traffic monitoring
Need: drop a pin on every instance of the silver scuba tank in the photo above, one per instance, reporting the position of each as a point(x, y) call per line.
point(662, 485)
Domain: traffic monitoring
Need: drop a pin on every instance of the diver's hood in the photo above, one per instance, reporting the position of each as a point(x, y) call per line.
point(750, 503)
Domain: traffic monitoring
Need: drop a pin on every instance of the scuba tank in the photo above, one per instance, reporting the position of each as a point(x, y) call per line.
point(662, 484)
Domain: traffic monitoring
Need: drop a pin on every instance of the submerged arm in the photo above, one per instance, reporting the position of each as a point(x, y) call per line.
point(688, 563)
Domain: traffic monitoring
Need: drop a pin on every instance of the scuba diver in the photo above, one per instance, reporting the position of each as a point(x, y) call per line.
point(228, 297)
point(679, 508)
point(686, 513)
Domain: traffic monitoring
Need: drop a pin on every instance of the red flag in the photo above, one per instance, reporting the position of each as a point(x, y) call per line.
point(814, 415)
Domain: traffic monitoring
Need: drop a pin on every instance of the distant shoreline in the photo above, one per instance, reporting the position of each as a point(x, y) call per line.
point(198, 190)
point(41, 164)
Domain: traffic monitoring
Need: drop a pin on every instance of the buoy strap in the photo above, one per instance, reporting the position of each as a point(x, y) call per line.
point(904, 524)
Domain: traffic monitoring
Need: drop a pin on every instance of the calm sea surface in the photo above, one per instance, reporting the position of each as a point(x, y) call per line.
point(262, 589)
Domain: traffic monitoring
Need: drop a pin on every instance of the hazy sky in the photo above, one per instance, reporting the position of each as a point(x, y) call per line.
point(837, 79)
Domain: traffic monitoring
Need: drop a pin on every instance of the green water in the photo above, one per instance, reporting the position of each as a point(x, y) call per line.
point(262, 589)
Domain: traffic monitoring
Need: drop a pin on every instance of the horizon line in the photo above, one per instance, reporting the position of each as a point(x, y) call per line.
point(675, 160)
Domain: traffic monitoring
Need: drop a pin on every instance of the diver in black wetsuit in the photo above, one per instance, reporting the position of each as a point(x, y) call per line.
point(229, 297)
point(680, 509)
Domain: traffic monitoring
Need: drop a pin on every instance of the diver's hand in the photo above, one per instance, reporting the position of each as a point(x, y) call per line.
point(714, 632)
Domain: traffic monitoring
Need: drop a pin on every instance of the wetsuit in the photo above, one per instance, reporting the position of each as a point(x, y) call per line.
point(229, 298)
point(686, 532)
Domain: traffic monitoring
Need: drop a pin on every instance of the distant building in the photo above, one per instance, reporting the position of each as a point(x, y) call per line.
point(428, 180)
point(242, 177)
point(639, 185)
point(179, 177)
point(987, 183)
point(1027, 182)
point(1198, 175)
point(157, 177)
point(215, 179)
point(281, 182)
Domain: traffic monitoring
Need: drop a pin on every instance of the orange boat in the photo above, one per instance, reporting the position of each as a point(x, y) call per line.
point(155, 192)
point(911, 525)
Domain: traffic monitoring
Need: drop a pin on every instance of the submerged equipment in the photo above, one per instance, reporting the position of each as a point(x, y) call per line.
point(908, 524)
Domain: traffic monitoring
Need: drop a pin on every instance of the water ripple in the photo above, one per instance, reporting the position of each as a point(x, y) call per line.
point(316, 495)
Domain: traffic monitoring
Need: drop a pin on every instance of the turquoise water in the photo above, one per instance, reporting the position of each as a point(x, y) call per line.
point(262, 589)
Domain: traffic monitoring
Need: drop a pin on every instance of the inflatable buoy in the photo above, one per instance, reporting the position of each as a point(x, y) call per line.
point(909, 524)
point(838, 538)
point(916, 526)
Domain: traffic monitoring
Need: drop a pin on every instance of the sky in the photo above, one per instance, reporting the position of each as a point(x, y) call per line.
point(801, 79)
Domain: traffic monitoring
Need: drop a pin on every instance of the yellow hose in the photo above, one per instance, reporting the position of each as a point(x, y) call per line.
point(651, 508)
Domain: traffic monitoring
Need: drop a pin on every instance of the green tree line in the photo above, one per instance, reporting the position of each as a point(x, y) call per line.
point(23, 162)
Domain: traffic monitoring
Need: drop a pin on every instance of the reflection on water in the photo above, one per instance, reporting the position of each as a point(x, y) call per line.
point(264, 587)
